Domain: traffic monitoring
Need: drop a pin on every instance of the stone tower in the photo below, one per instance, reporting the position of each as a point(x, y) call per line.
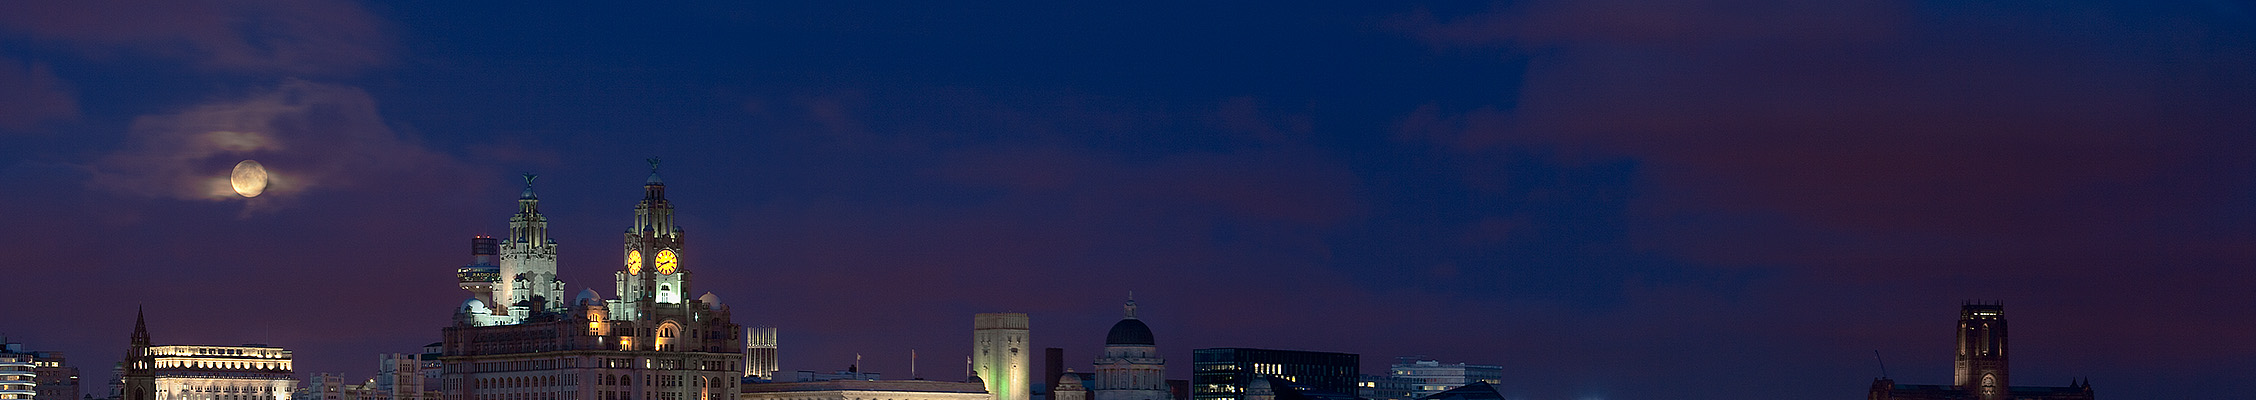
point(653, 277)
point(1131, 368)
point(1981, 362)
point(528, 263)
point(1000, 358)
point(140, 383)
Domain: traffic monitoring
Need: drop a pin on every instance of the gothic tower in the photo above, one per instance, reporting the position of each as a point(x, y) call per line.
point(1981, 366)
point(140, 382)
point(1131, 368)
point(528, 263)
point(1000, 358)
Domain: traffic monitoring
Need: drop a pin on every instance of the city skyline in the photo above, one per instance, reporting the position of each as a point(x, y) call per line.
point(1607, 199)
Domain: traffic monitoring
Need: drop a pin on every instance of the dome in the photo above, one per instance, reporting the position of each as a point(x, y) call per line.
point(587, 295)
point(710, 300)
point(474, 306)
point(1129, 332)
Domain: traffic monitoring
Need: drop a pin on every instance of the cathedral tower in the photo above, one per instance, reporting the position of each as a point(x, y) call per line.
point(1981, 366)
point(1131, 368)
point(528, 263)
point(1000, 357)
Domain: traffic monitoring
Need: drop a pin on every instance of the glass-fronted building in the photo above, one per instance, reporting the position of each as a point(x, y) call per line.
point(1225, 373)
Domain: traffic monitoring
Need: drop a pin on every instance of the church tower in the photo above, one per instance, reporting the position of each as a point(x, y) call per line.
point(528, 263)
point(1131, 368)
point(140, 382)
point(1981, 366)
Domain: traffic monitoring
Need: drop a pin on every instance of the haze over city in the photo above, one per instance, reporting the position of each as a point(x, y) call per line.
point(1612, 199)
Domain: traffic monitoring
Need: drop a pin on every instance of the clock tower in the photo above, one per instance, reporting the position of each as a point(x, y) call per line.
point(653, 280)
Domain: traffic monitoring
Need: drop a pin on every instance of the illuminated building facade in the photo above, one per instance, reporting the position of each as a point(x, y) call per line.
point(1131, 368)
point(1384, 387)
point(1227, 373)
point(1980, 370)
point(866, 390)
point(50, 376)
point(1428, 377)
point(651, 343)
point(189, 372)
point(1000, 357)
point(17, 381)
point(760, 353)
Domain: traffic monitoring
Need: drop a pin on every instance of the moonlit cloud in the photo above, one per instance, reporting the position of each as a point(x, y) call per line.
point(309, 135)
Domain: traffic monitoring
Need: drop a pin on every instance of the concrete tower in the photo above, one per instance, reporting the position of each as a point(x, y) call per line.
point(528, 263)
point(760, 352)
point(1000, 357)
point(1131, 368)
point(1981, 367)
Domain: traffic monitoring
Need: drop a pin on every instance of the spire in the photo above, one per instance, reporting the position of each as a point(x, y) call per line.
point(140, 327)
point(1130, 309)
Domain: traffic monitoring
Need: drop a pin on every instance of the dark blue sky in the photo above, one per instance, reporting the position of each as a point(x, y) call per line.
point(1613, 199)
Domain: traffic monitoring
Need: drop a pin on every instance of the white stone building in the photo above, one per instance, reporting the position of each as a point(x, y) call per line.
point(1131, 368)
point(1000, 357)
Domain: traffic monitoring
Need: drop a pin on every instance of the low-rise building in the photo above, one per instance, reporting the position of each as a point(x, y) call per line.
point(864, 390)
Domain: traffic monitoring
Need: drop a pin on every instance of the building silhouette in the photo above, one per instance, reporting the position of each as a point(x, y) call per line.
point(1980, 370)
point(1000, 356)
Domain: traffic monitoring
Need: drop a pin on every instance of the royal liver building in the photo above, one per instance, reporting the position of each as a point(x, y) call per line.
point(651, 342)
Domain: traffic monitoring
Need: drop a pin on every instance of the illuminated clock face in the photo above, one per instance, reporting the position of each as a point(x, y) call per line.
point(634, 262)
point(667, 262)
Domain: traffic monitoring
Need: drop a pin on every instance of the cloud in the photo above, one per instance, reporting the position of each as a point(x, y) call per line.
point(309, 136)
point(1859, 118)
point(30, 93)
point(2079, 158)
point(287, 36)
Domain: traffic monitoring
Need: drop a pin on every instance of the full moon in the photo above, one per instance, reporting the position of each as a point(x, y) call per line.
point(249, 178)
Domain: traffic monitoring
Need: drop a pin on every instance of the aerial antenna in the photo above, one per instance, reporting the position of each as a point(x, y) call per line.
point(1883, 364)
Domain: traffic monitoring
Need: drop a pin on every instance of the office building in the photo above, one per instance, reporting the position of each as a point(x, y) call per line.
point(52, 376)
point(1428, 377)
point(17, 381)
point(1384, 387)
point(1226, 373)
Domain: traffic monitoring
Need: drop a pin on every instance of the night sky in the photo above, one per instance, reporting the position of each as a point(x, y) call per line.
point(1613, 199)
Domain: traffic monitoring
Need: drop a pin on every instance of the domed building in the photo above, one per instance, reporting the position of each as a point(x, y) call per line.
point(1131, 368)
